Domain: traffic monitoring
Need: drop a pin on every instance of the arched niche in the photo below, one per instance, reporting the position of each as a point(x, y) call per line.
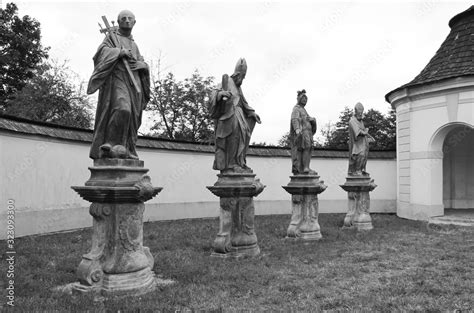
point(453, 183)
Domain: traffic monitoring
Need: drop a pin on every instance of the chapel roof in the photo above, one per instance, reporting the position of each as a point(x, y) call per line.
point(455, 56)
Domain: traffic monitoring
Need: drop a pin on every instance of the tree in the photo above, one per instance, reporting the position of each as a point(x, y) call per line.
point(381, 127)
point(284, 141)
point(20, 51)
point(199, 124)
point(53, 95)
point(182, 107)
point(337, 137)
point(327, 131)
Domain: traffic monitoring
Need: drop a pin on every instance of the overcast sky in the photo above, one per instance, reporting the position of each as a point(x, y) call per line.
point(340, 52)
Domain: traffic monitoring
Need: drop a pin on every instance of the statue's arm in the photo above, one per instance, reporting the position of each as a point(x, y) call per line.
point(139, 63)
point(248, 110)
point(105, 60)
point(357, 129)
point(296, 121)
point(314, 124)
point(369, 137)
point(219, 95)
point(215, 101)
point(365, 132)
point(252, 114)
point(107, 51)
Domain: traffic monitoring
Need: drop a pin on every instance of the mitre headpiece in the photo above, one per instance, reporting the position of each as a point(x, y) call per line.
point(359, 107)
point(241, 67)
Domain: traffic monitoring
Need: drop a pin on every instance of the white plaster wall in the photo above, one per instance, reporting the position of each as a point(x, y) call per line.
point(424, 124)
point(38, 172)
point(430, 114)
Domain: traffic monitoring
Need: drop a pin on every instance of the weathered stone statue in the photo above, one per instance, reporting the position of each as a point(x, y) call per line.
point(118, 263)
point(123, 81)
point(234, 121)
point(302, 130)
point(236, 184)
point(358, 182)
point(304, 185)
point(359, 140)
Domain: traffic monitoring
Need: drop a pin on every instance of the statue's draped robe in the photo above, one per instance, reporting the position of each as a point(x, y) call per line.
point(120, 106)
point(358, 146)
point(233, 128)
point(300, 120)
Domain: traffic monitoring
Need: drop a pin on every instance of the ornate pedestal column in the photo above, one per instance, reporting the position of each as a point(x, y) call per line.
point(118, 263)
point(358, 213)
point(236, 237)
point(304, 190)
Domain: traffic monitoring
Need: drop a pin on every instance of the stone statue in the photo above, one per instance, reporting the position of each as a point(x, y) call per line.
point(123, 81)
point(302, 130)
point(234, 122)
point(304, 185)
point(236, 185)
point(359, 140)
point(358, 182)
point(118, 263)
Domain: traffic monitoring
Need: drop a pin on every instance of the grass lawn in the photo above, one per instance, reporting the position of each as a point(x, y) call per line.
point(400, 265)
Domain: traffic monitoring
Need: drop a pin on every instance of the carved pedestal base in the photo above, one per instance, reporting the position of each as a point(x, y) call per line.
point(236, 237)
point(118, 264)
point(304, 190)
point(358, 213)
point(127, 284)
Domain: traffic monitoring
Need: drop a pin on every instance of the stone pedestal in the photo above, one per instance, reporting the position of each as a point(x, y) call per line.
point(304, 190)
point(358, 213)
point(118, 263)
point(236, 237)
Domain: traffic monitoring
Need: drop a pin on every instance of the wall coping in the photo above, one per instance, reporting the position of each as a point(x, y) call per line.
point(401, 96)
point(25, 127)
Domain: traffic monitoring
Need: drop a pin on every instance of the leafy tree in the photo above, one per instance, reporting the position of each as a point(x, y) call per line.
point(284, 141)
point(182, 107)
point(166, 95)
point(381, 127)
point(200, 126)
point(337, 137)
point(327, 131)
point(53, 95)
point(20, 51)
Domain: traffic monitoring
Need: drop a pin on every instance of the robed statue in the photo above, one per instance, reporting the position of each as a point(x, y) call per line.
point(123, 80)
point(302, 130)
point(359, 140)
point(234, 122)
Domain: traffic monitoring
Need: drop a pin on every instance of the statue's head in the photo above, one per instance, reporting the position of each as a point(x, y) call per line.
point(239, 72)
point(302, 97)
point(359, 111)
point(126, 20)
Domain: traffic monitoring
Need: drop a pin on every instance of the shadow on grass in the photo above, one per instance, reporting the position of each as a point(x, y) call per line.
point(400, 265)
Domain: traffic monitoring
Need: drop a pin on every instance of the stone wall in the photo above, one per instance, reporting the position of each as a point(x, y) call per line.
point(40, 162)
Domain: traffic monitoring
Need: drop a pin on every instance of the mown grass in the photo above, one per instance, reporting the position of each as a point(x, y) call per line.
point(400, 265)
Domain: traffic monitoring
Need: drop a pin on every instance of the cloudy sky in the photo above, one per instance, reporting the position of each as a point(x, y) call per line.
point(340, 52)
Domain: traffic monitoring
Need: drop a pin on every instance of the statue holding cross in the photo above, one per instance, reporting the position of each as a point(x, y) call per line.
point(123, 80)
